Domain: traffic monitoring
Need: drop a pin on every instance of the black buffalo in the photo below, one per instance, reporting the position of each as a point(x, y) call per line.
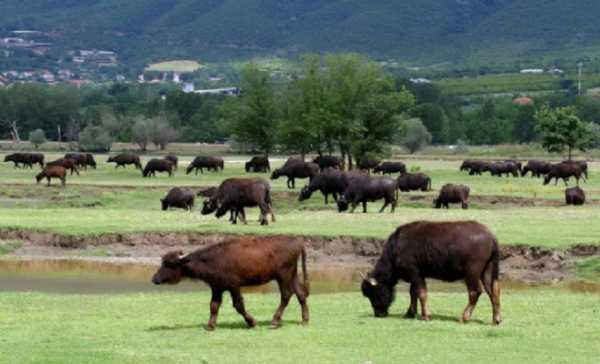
point(536, 167)
point(448, 251)
point(414, 182)
point(26, 159)
point(390, 168)
point(83, 159)
point(564, 171)
point(363, 189)
point(258, 164)
point(327, 161)
point(507, 168)
point(210, 163)
point(124, 159)
point(240, 262)
point(331, 182)
point(367, 163)
point(182, 198)
point(173, 159)
point(157, 165)
point(582, 164)
point(295, 168)
point(452, 194)
point(574, 196)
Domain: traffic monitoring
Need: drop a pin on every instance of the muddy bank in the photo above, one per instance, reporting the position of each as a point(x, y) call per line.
point(521, 263)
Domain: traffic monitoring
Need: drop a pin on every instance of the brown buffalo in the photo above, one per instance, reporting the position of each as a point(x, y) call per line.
point(564, 171)
point(53, 171)
point(448, 251)
point(582, 164)
point(83, 159)
point(242, 262)
point(574, 196)
point(68, 163)
point(452, 194)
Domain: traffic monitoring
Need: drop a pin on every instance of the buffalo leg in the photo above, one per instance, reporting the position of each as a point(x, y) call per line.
point(238, 303)
point(474, 290)
point(301, 293)
point(412, 309)
point(286, 294)
point(422, 294)
point(384, 206)
point(48, 179)
point(326, 198)
point(492, 288)
point(364, 203)
point(215, 303)
point(264, 210)
point(63, 181)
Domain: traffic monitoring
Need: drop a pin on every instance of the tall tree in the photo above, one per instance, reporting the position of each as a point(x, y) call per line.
point(561, 129)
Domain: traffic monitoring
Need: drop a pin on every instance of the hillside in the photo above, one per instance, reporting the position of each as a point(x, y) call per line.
point(416, 31)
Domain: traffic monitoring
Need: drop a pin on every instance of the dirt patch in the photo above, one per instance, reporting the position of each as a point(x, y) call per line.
point(521, 263)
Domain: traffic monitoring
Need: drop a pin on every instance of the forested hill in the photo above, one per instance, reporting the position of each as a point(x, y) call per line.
point(413, 30)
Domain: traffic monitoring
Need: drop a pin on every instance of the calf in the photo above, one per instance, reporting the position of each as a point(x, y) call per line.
point(574, 196)
point(448, 251)
point(68, 163)
point(182, 198)
point(124, 159)
point(210, 163)
point(234, 194)
point(173, 159)
point(365, 188)
point(157, 165)
point(241, 262)
point(413, 182)
point(258, 164)
point(295, 168)
point(390, 168)
point(327, 161)
point(452, 194)
point(53, 171)
point(564, 171)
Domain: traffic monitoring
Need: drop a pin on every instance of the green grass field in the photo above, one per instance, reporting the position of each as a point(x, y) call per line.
point(539, 327)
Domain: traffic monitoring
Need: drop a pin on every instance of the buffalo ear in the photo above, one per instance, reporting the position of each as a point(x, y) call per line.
point(372, 282)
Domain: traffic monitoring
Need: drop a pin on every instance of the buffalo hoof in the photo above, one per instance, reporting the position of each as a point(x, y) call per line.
point(275, 324)
point(425, 317)
point(410, 315)
point(209, 327)
point(251, 323)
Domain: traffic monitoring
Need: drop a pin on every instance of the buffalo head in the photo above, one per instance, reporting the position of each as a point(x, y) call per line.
point(209, 206)
point(547, 179)
point(39, 177)
point(170, 269)
point(305, 194)
point(380, 295)
point(164, 204)
point(275, 174)
point(342, 203)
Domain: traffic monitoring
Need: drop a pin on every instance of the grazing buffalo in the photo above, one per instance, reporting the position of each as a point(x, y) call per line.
point(367, 164)
point(241, 262)
point(182, 198)
point(234, 194)
point(327, 161)
point(390, 168)
point(574, 196)
point(414, 182)
point(295, 168)
point(157, 165)
point(582, 164)
point(26, 159)
point(468, 164)
point(124, 159)
point(507, 168)
point(67, 163)
point(258, 164)
point(83, 160)
point(363, 189)
point(208, 192)
point(452, 194)
point(516, 163)
point(210, 163)
point(53, 171)
point(331, 181)
point(173, 159)
point(564, 171)
point(448, 251)
point(536, 167)
point(478, 167)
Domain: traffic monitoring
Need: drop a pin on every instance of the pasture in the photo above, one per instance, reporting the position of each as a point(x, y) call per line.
point(540, 324)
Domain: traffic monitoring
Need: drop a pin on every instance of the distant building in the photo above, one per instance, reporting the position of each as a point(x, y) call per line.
point(419, 80)
point(532, 70)
point(176, 77)
point(230, 91)
point(215, 78)
point(188, 87)
point(523, 100)
point(556, 71)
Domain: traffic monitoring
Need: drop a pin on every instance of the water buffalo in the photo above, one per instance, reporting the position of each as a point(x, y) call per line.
point(295, 168)
point(413, 182)
point(327, 161)
point(258, 164)
point(331, 181)
point(478, 167)
point(182, 198)
point(448, 251)
point(452, 194)
point(124, 159)
point(536, 167)
point(241, 262)
point(210, 163)
point(173, 159)
point(507, 168)
point(574, 196)
point(26, 159)
point(68, 163)
point(364, 189)
point(53, 171)
point(582, 164)
point(83, 160)
point(157, 165)
point(390, 168)
point(366, 164)
point(234, 194)
point(467, 164)
point(564, 171)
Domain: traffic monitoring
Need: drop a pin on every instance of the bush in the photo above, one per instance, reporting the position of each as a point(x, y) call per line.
point(37, 137)
point(94, 139)
point(416, 135)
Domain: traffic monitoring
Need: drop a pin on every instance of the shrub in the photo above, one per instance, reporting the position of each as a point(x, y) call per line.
point(94, 139)
point(37, 137)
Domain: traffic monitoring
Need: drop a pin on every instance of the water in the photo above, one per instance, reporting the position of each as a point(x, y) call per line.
point(93, 277)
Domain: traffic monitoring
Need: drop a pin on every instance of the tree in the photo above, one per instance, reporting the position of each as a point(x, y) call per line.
point(94, 139)
point(254, 116)
point(161, 133)
point(37, 137)
point(561, 129)
point(524, 124)
point(416, 136)
point(435, 120)
point(141, 133)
